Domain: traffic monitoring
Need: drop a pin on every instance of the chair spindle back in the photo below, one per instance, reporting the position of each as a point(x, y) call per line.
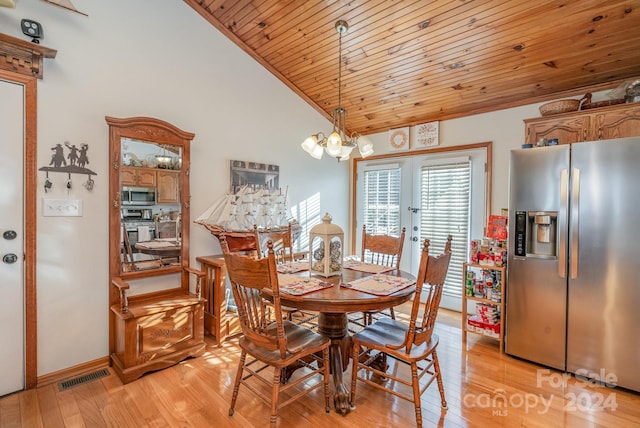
point(385, 250)
point(431, 276)
point(249, 276)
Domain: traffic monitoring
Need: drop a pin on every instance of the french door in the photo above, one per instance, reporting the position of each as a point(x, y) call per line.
point(432, 195)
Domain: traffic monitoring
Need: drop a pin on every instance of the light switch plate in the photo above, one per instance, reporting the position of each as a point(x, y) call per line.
point(62, 207)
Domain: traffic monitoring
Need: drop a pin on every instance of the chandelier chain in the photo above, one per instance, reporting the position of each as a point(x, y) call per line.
point(340, 69)
point(338, 143)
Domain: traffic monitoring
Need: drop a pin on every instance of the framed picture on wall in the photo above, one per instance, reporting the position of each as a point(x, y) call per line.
point(399, 139)
point(255, 175)
point(427, 135)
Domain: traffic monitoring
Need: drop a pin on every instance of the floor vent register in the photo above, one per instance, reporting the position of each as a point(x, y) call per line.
point(70, 383)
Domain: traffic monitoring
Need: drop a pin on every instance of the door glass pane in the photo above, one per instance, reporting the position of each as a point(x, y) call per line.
point(382, 201)
point(445, 190)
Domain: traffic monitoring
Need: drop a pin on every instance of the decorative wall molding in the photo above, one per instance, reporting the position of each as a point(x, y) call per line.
point(23, 57)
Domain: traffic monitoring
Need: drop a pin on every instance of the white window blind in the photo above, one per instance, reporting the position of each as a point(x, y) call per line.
point(382, 200)
point(445, 190)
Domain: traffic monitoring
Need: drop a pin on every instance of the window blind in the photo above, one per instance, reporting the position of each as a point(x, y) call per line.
point(382, 200)
point(445, 190)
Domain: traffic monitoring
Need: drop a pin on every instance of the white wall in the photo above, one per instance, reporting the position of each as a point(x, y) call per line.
point(159, 58)
point(154, 58)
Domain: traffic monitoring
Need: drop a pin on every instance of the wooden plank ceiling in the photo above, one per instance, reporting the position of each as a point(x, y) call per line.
point(410, 62)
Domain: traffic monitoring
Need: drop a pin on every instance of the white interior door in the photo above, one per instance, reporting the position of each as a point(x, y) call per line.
point(12, 351)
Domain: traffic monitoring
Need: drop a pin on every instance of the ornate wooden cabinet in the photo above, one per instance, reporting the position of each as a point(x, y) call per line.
point(619, 121)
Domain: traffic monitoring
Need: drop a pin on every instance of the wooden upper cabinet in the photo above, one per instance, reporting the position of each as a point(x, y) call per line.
point(128, 176)
point(140, 177)
point(621, 123)
point(168, 183)
point(565, 129)
point(146, 177)
point(603, 123)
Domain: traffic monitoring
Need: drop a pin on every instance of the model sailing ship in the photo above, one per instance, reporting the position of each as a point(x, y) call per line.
point(246, 210)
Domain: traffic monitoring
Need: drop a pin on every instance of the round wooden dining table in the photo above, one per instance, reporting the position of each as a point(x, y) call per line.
point(333, 305)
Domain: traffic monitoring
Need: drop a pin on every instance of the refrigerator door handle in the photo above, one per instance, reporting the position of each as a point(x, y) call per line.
point(574, 230)
point(562, 223)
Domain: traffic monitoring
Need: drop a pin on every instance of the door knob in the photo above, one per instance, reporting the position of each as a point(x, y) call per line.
point(9, 234)
point(414, 239)
point(10, 258)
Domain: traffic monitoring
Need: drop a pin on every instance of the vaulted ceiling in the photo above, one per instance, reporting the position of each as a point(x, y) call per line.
point(410, 62)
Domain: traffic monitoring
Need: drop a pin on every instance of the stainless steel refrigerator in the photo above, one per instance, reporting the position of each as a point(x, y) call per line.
point(573, 273)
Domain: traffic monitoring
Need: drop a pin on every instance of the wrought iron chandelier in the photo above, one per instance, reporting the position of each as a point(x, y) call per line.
point(338, 144)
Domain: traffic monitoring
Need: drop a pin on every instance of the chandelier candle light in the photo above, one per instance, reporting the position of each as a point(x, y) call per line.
point(338, 144)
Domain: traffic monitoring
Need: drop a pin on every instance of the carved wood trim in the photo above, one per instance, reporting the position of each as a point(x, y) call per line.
point(23, 57)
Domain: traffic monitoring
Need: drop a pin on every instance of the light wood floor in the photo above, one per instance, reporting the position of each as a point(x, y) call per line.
point(483, 389)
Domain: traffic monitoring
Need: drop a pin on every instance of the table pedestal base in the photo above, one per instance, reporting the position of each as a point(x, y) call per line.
point(334, 326)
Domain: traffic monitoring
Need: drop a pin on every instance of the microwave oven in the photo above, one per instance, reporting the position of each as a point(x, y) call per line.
point(138, 195)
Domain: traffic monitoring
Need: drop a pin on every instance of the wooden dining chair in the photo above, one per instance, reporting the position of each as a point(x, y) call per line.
point(384, 250)
point(126, 252)
point(272, 342)
point(414, 343)
point(282, 239)
point(167, 228)
point(129, 262)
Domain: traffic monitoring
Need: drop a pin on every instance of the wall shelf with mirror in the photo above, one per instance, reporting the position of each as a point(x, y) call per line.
point(155, 320)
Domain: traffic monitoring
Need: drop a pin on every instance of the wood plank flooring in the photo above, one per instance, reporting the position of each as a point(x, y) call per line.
point(483, 389)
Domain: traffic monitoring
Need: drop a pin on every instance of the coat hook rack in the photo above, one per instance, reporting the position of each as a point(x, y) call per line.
point(77, 164)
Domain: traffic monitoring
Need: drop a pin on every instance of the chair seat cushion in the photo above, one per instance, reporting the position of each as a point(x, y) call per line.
point(300, 341)
point(387, 331)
